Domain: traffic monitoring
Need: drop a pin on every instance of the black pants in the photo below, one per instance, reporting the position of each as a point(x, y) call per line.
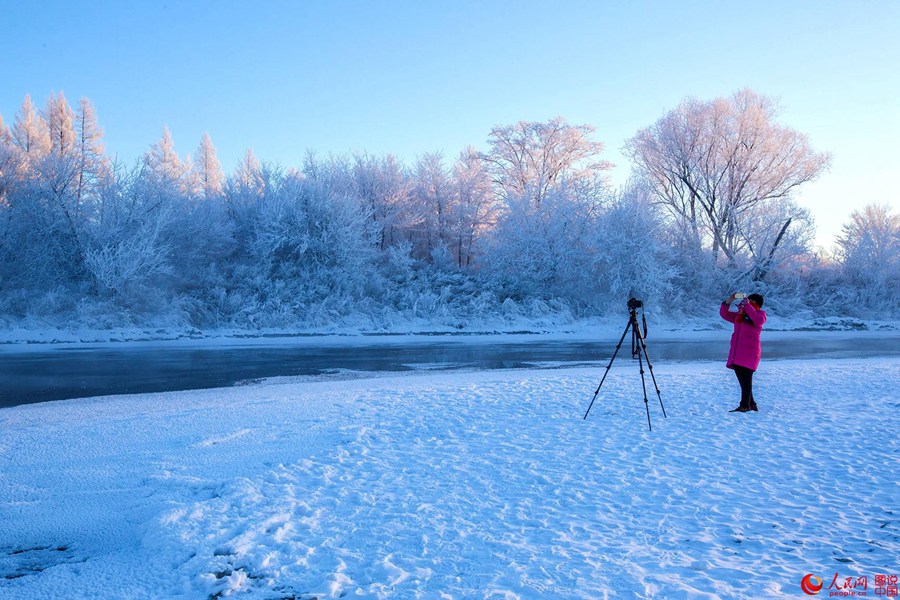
point(745, 378)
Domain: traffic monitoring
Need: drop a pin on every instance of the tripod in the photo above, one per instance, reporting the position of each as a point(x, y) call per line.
point(638, 351)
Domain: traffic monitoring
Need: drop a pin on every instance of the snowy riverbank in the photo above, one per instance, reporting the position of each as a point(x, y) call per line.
point(466, 485)
point(40, 334)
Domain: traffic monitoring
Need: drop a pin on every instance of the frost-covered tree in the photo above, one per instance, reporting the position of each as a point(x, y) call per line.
point(776, 235)
point(60, 125)
point(316, 239)
point(526, 228)
point(475, 207)
point(7, 161)
point(542, 250)
point(432, 199)
point(57, 231)
point(714, 164)
point(249, 178)
point(30, 134)
point(869, 241)
point(93, 170)
point(547, 175)
point(207, 170)
point(132, 258)
point(246, 191)
point(386, 191)
point(8, 168)
point(202, 239)
point(628, 256)
point(868, 251)
point(130, 255)
point(162, 164)
point(528, 159)
point(22, 151)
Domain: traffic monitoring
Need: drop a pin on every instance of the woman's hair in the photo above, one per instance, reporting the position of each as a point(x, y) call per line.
point(756, 298)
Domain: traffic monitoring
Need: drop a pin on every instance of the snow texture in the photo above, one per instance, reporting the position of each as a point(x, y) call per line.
point(473, 485)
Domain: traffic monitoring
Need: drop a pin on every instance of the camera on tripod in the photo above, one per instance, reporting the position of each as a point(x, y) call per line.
point(639, 352)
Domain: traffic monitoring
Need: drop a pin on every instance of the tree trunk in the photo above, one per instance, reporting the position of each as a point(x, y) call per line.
point(762, 268)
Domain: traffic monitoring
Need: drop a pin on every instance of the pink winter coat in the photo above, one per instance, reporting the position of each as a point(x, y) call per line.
point(745, 346)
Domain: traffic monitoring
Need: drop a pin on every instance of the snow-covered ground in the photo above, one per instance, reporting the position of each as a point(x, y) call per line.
point(461, 485)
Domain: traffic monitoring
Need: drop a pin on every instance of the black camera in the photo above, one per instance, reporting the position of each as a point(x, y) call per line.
point(635, 304)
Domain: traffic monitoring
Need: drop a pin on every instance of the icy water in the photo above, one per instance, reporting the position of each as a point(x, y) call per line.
point(59, 372)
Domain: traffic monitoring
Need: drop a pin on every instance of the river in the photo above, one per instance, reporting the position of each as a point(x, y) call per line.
point(39, 373)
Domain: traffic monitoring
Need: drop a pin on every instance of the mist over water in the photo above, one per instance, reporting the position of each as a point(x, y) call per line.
point(60, 373)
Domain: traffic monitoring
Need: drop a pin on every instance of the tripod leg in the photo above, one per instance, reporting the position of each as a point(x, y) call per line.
point(653, 377)
point(619, 345)
point(644, 385)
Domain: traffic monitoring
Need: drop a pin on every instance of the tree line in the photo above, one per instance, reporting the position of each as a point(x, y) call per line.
point(528, 229)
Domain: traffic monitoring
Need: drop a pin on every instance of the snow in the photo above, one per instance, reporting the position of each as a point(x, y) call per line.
point(15, 337)
point(458, 485)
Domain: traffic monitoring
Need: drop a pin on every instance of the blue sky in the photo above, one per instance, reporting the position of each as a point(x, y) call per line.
point(414, 77)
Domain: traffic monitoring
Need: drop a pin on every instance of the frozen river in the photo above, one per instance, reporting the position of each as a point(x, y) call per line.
point(31, 374)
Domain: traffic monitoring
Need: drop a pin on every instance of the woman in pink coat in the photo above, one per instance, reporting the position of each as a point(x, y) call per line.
point(745, 347)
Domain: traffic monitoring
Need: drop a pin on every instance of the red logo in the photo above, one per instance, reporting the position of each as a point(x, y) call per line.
point(811, 585)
